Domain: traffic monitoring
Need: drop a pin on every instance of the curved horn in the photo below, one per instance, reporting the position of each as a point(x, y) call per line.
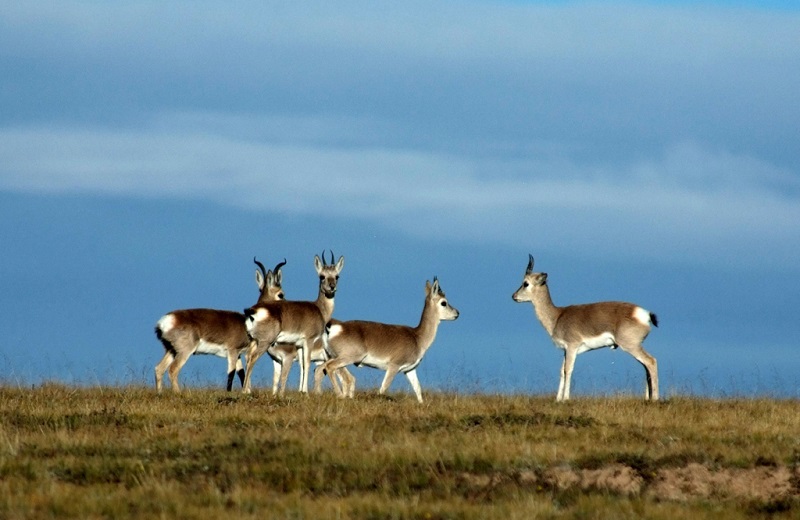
point(529, 270)
point(323, 258)
point(278, 267)
point(333, 257)
point(260, 266)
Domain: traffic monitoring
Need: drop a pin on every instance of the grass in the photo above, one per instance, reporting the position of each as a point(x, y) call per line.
point(126, 452)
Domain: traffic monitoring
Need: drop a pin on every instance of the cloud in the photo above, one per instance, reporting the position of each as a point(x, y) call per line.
point(688, 203)
point(661, 131)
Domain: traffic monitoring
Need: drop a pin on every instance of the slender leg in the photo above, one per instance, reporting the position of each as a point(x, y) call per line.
point(337, 365)
point(306, 364)
point(175, 368)
point(387, 379)
point(561, 378)
point(239, 371)
point(332, 374)
point(286, 367)
point(412, 378)
point(161, 367)
point(338, 381)
point(319, 375)
point(566, 373)
point(277, 372)
point(348, 382)
point(253, 353)
point(233, 360)
point(329, 367)
point(650, 369)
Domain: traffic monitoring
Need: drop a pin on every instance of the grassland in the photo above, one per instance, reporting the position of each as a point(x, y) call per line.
point(126, 452)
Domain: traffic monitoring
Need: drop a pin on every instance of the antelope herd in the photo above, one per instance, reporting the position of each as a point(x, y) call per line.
point(306, 331)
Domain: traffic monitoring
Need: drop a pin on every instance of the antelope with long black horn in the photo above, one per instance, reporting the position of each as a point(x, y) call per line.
point(293, 323)
point(210, 331)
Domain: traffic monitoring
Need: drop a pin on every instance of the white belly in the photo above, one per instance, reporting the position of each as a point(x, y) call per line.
point(215, 349)
point(290, 337)
point(605, 339)
point(375, 362)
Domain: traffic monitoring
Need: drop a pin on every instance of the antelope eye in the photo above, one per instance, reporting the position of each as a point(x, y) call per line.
point(526, 284)
point(443, 304)
point(280, 296)
point(337, 276)
point(321, 277)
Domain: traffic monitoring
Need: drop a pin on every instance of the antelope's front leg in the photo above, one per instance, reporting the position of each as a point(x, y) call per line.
point(253, 353)
point(387, 379)
point(305, 364)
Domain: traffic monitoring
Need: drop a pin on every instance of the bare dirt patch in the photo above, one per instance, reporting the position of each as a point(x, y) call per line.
point(696, 481)
point(693, 481)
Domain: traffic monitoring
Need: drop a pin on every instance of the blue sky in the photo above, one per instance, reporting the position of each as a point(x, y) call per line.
point(640, 151)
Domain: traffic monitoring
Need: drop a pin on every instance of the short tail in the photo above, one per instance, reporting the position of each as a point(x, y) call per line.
point(654, 319)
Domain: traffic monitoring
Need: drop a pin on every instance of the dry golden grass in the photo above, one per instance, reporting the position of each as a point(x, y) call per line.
point(129, 453)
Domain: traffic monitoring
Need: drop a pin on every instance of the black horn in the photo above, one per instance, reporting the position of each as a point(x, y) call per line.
point(278, 267)
point(529, 270)
point(333, 257)
point(261, 266)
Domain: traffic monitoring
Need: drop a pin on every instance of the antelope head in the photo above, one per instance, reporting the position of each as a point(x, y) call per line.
point(269, 282)
point(438, 301)
point(530, 283)
point(328, 274)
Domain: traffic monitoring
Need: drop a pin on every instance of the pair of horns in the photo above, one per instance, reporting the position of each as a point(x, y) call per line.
point(264, 271)
point(333, 258)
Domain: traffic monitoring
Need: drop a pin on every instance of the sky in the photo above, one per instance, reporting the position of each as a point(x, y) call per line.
point(641, 151)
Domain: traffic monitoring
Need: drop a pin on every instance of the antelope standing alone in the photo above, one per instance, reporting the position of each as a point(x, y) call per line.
point(300, 325)
point(393, 348)
point(210, 331)
point(579, 328)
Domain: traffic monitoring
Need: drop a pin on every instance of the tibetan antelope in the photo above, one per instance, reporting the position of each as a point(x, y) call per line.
point(210, 331)
point(301, 325)
point(393, 348)
point(579, 328)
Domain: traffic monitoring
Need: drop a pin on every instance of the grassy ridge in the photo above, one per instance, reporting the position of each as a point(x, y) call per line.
point(128, 453)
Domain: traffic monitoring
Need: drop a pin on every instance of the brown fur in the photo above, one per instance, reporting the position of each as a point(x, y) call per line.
point(394, 348)
point(283, 354)
point(220, 327)
point(577, 328)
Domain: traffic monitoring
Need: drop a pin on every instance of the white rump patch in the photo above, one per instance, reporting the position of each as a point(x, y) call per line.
point(642, 315)
point(335, 331)
point(261, 314)
point(215, 349)
point(166, 323)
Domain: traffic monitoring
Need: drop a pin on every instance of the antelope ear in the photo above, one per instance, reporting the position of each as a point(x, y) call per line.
point(435, 288)
point(427, 288)
point(543, 279)
point(260, 280)
point(340, 264)
point(317, 264)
